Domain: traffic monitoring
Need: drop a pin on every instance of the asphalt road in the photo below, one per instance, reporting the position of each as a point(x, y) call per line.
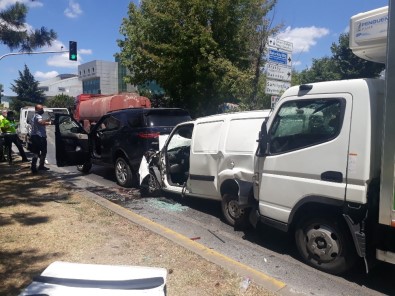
point(265, 249)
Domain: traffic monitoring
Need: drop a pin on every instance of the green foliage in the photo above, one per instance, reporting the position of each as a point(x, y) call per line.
point(350, 66)
point(26, 88)
point(17, 104)
point(323, 69)
point(14, 35)
point(202, 53)
point(343, 64)
point(60, 101)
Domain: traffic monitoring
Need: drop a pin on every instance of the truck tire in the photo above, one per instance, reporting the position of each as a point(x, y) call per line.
point(233, 214)
point(85, 168)
point(123, 173)
point(325, 243)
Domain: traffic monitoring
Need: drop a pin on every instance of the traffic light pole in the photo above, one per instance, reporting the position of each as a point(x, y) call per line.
point(32, 52)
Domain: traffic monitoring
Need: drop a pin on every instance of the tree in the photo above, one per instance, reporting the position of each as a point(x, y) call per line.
point(14, 35)
point(60, 101)
point(26, 88)
point(202, 53)
point(349, 65)
point(323, 69)
point(343, 64)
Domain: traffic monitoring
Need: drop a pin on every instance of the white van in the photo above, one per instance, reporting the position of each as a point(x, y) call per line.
point(27, 113)
point(213, 157)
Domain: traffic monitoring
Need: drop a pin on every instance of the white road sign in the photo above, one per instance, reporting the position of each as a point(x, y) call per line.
point(280, 57)
point(274, 87)
point(279, 72)
point(280, 44)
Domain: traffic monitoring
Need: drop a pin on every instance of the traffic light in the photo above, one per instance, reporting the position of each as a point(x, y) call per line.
point(72, 50)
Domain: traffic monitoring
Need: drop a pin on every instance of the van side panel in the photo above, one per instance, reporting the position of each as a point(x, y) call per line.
point(239, 149)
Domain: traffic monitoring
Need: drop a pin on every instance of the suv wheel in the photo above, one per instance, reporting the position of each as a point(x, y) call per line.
point(123, 172)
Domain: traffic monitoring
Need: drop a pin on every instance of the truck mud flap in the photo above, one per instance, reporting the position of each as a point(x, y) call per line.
point(245, 188)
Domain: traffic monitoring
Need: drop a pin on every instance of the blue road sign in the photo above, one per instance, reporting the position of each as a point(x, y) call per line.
point(280, 57)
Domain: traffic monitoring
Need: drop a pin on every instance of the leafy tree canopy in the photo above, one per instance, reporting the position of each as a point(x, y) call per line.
point(26, 87)
point(202, 53)
point(349, 65)
point(60, 101)
point(343, 64)
point(14, 34)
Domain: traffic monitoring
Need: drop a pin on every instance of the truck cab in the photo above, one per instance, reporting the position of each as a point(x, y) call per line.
point(317, 163)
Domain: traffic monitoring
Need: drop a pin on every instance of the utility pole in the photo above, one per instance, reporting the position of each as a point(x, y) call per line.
point(32, 52)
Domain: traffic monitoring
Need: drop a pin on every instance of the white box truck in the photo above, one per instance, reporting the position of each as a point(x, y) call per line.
point(324, 167)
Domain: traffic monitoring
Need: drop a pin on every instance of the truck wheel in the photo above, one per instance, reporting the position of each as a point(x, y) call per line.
point(234, 215)
point(123, 173)
point(325, 244)
point(85, 168)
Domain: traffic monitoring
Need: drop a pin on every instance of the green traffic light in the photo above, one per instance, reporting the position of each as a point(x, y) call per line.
point(72, 50)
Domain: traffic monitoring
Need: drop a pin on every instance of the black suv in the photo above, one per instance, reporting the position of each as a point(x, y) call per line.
point(119, 139)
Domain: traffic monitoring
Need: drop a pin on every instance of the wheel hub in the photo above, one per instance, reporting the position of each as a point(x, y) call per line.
point(121, 172)
point(234, 209)
point(323, 243)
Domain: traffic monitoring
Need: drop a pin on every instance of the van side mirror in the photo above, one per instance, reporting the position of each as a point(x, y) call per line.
point(263, 141)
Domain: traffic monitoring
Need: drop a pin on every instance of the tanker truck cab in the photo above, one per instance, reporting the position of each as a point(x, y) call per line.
point(213, 158)
point(316, 168)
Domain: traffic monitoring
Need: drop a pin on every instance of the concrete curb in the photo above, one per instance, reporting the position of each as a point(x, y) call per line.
point(258, 277)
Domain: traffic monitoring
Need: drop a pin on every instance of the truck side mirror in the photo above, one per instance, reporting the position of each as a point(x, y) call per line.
point(263, 141)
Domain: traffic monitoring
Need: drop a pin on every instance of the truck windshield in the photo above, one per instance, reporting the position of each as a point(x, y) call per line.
point(304, 123)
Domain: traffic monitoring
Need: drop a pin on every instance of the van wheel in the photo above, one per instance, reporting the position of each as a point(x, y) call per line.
point(85, 168)
point(151, 186)
point(234, 215)
point(324, 243)
point(123, 173)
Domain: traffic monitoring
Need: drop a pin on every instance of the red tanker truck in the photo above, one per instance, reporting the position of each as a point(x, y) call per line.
point(89, 108)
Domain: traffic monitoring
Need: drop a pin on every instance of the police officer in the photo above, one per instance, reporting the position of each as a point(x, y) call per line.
point(2, 117)
point(9, 127)
point(39, 139)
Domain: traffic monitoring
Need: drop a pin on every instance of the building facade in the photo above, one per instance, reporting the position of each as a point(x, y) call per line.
point(99, 77)
point(67, 84)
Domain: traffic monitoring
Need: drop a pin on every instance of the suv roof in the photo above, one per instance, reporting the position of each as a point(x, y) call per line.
point(148, 111)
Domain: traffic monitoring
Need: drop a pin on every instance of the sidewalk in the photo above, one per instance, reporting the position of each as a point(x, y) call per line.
point(44, 220)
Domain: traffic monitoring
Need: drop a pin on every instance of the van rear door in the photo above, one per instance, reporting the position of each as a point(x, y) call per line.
point(205, 156)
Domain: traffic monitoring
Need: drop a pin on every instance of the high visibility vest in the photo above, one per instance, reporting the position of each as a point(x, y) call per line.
point(8, 126)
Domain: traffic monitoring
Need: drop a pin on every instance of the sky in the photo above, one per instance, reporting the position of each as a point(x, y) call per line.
point(311, 25)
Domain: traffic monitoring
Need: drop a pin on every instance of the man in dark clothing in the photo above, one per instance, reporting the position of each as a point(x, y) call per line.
point(39, 139)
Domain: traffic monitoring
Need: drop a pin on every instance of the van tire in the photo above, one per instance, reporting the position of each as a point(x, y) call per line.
point(85, 168)
point(325, 243)
point(123, 173)
point(233, 215)
point(151, 186)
